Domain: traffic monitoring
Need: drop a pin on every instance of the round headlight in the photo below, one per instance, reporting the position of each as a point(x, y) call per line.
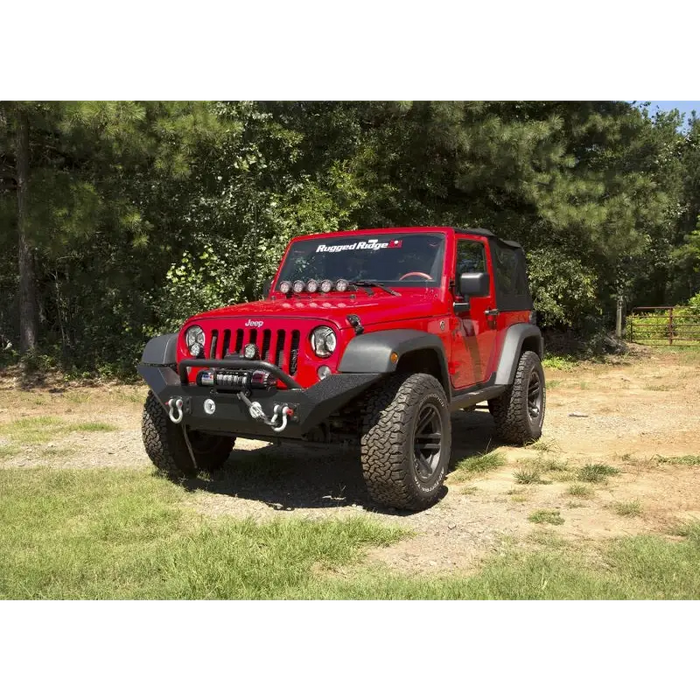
point(326, 286)
point(342, 285)
point(323, 341)
point(298, 286)
point(312, 286)
point(285, 287)
point(194, 339)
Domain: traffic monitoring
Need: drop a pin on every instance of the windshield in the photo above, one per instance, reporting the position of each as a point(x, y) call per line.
point(396, 260)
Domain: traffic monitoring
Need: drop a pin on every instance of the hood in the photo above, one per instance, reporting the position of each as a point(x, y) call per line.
point(378, 308)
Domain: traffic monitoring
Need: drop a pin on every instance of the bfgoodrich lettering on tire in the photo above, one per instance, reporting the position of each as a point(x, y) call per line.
point(406, 441)
point(519, 411)
point(165, 444)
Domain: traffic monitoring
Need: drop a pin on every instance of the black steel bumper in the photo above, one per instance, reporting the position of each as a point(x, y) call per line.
point(310, 406)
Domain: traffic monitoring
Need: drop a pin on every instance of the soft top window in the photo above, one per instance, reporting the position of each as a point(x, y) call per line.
point(384, 258)
point(512, 289)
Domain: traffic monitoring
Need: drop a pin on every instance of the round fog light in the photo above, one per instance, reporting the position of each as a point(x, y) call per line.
point(209, 407)
point(323, 372)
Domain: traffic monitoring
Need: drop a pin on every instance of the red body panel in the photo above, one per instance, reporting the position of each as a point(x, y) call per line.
point(472, 340)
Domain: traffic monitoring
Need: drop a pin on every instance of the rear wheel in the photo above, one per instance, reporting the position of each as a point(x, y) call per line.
point(406, 441)
point(519, 411)
point(166, 447)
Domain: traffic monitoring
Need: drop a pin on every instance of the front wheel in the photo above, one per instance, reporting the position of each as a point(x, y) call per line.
point(166, 447)
point(406, 441)
point(519, 411)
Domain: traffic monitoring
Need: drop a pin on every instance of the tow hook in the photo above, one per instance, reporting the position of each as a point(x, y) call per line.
point(175, 409)
point(280, 413)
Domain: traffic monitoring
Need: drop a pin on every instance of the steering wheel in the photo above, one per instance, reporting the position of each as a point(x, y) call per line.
point(420, 274)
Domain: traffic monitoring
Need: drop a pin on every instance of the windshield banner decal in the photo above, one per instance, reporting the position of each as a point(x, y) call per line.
point(372, 244)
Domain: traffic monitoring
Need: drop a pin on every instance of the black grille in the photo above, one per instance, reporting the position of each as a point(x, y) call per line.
point(267, 334)
point(294, 354)
point(279, 347)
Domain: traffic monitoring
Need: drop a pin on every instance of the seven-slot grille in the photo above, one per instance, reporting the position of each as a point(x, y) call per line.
point(279, 347)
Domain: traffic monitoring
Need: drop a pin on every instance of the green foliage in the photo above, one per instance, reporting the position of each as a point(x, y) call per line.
point(562, 362)
point(143, 213)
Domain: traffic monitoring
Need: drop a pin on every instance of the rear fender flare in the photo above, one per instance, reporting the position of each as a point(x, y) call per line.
point(519, 337)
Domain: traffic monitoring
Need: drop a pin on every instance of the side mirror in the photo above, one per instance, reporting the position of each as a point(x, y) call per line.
point(266, 288)
point(474, 284)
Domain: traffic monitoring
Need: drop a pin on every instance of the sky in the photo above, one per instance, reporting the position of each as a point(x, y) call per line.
point(666, 106)
point(684, 104)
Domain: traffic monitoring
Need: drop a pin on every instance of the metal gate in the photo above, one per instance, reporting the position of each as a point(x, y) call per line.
point(663, 325)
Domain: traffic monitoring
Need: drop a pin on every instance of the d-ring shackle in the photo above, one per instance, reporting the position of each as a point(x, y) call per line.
point(175, 412)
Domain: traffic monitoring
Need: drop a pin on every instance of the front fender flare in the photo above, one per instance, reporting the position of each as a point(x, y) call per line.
point(161, 350)
point(371, 352)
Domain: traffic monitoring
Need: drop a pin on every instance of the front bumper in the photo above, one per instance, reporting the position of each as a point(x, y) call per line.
point(311, 406)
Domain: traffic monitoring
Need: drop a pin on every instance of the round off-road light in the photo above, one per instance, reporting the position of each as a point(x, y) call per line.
point(250, 351)
point(312, 286)
point(342, 285)
point(209, 406)
point(298, 286)
point(323, 371)
point(326, 286)
point(285, 287)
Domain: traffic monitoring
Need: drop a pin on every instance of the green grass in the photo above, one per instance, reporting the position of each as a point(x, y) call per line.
point(8, 451)
point(478, 464)
point(563, 362)
point(102, 534)
point(528, 475)
point(633, 568)
point(549, 517)
point(90, 427)
point(681, 460)
point(552, 384)
point(108, 534)
point(35, 430)
point(596, 473)
point(544, 445)
point(688, 528)
point(580, 491)
point(628, 509)
point(551, 464)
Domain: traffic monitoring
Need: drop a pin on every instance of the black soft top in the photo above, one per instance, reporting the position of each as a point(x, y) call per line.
point(488, 234)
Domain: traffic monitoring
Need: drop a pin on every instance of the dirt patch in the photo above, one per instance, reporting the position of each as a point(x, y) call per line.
point(635, 410)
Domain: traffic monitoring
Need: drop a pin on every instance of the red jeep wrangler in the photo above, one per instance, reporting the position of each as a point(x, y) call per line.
point(372, 336)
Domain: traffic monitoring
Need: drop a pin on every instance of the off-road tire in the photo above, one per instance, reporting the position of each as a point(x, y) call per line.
point(390, 419)
point(514, 424)
point(166, 447)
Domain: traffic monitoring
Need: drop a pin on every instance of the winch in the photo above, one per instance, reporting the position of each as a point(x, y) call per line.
point(237, 380)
